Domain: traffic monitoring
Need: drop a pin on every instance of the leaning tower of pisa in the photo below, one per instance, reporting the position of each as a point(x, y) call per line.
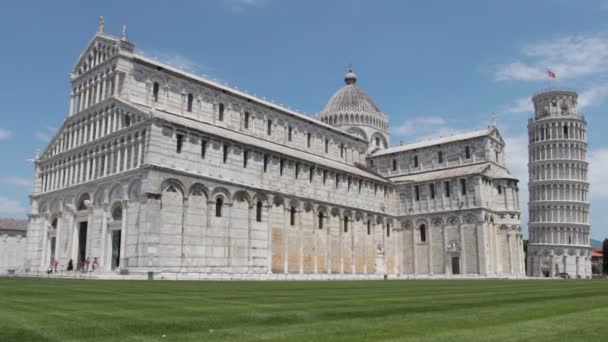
point(558, 187)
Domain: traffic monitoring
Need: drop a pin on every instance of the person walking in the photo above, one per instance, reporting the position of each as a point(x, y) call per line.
point(55, 264)
point(70, 265)
point(87, 264)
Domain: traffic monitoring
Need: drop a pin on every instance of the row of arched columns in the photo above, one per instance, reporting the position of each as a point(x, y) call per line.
point(559, 235)
point(118, 155)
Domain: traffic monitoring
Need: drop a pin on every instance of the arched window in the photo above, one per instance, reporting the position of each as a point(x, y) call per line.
point(220, 114)
point(422, 233)
point(388, 230)
point(320, 220)
point(269, 127)
point(308, 139)
point(292, 216)
point(219, 202)
point(258, 212)
point(346, 224)
point(394, 164)
point(289, 133)
point(467, 152)
point(566, 131)
point(155, 89)
point(246, 121)
point(369, 227)
point(117, 213)
point(190, 100)
point(54, 223)
point(416, 161)
point(499, 188)
point(326, 145)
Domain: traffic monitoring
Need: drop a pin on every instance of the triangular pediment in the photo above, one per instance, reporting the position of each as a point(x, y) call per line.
point(135, 115)
point(494, 133)
point(100, 48)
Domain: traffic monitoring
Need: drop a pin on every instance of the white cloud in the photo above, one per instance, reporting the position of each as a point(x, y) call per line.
point(598, 163)
point(243, 5)
point(17, 181)
point(413, 126)
point(45, 134)
point(9, 206)
point(522, 105)
point(519, 71)
point(569, 57)
point(592, 96)
point(5, 134)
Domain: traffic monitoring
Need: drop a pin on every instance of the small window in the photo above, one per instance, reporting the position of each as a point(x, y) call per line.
point(246, 121)
point(220, 115)
point(292, 216)
point(446, 186)
point(377, 141)
point(417, 192)
point(226, 149)
point(219, 202)
point(566, 131)
point(337, 180)
point(388, 230)
point(497, 156)
point(269, 127)
point(326, 145)
point(324, 176)
point(422, 233)
point(440, 157)
point(394, 164)
point(245, 158)
point(346, 224)
point(416, 161)
point(375, 189)
point(266, 159)
point(467, 152)
point(432, 190)
point(190, 101)
point(320, 220)
point(258, 212)
point(155, 90)
point(499, 189)
point(371, 163)
point(281, 166)
point(311, 173)
point(360, 184)
point(297, 170)
point(308, 140)
point(203, 148)
point(180, 142)
point(289, 133)
point(463, 186)
point(369, 227)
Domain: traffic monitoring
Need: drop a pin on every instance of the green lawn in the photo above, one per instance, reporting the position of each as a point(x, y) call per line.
point(81, 310)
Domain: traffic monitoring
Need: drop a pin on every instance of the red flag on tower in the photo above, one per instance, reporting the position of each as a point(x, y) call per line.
point(550, 73)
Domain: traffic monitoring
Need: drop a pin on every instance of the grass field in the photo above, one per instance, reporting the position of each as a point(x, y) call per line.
point(80, 310)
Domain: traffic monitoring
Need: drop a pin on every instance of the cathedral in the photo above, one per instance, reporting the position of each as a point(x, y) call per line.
point(160, 172)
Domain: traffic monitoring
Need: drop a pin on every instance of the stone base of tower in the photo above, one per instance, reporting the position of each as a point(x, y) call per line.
point(555, 260)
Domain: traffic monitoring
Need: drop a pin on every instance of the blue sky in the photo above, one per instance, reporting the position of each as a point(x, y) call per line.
point(435, 67)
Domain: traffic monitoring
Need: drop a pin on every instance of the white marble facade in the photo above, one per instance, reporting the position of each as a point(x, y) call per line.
point(156, 169)
point(559, 188)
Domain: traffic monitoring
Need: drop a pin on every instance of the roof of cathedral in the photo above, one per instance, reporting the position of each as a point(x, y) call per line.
point(487, 168)
point(435, 141)
point(7, 223)
point(245, 95)
point(350, 99)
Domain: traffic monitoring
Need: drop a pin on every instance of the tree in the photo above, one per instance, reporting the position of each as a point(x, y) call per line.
point(605, 252)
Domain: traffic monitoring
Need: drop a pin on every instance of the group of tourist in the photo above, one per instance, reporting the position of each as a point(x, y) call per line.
point(85, 266)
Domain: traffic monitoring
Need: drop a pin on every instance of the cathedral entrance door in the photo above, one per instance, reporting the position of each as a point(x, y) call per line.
point(82, 242)
point(115, 249)
point(455, 265)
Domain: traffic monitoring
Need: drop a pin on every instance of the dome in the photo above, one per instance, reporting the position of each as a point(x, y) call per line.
point(350, 99)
